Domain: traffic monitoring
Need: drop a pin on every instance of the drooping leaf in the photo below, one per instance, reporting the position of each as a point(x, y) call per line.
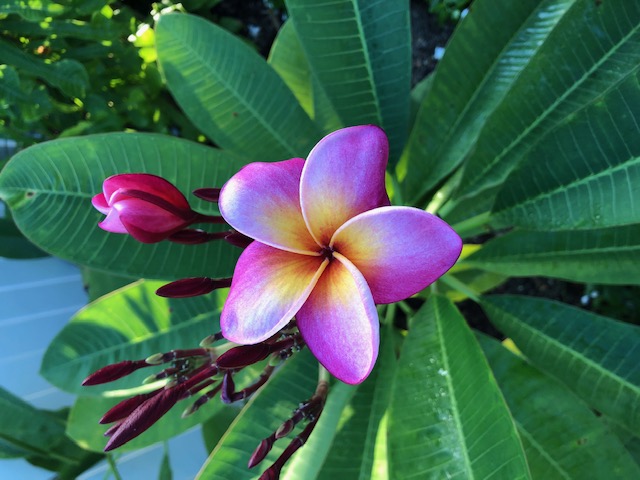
point(597, 357)
point(49, 188)
point(605, 255)
point(483, 59)
point(229, 92)
point(591, 54)
point(353, 451)
point(442, 384)
point(129, 324)
point(360, 54)
point(561, 436)
point(294, 382)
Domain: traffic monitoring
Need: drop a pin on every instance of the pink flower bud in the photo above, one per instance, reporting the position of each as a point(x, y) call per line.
point(147, 207)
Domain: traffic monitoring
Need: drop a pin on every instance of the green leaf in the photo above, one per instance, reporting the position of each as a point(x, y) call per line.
point(589, 56)
point(561, 436)
point(597, 357)
point(605, 256)
point(129, 324)
point(37, 435)
point(487, 52)
point(215, 428)
point(442, 384)
point(294, 382)
point(49, 188)
point(229, 92)
point(353, 451)
point(288, 60)
point(583, 175)
point(362, 59)
point(98, 283)
point(165, 466)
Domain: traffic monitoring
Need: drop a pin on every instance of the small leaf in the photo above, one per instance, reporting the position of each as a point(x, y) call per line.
point(593, 355)
point(447, 416)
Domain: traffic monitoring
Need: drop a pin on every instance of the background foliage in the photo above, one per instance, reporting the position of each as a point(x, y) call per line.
point(525, 139)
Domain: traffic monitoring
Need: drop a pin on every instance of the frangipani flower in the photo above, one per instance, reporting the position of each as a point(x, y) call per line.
point(328, 248)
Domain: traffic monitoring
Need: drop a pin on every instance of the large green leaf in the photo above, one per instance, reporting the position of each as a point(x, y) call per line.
point(360, 52)
point(229, 92)
point(584, 174)
point(32, 10)
point(597, 357)
point(589, 56)
point(39, 436)
point(489, 49)
point(353, 452)
point(561, 436)
point(128, 324)
point(294, 382)
point(448, 418)
point(49, 188)
point(606, 255)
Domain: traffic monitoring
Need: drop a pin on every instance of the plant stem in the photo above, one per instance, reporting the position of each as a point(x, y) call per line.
point(442, 195)
point(113, 467)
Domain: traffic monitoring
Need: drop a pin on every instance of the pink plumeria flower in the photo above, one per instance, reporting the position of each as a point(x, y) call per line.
point(328, 248)
point(147, 207)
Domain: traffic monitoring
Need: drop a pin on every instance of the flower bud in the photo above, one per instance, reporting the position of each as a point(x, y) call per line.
point(147, 207)
point(113, 372)
point(192, 287)
point(208, 194)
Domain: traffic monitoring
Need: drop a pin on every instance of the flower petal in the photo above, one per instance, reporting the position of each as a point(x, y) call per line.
point(262, 201)
point(342, 177)
point(99, 202)
point(112, 223)
point(146, 222)
point(145, 182)
point(339, 322)
point(269, 286)
point(399, 250)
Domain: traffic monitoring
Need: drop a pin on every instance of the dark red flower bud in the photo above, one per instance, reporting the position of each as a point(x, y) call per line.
point(145, 416)
point(228, 388)
point(192, 287)
point(194, 236)
point(237, 239)
point(243, 356)
point(125, 407)
point(113, 372)
point(147, 207)
point(259, 453)
point(208, 194)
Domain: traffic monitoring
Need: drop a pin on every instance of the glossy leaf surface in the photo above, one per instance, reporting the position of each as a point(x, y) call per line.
point(49, 188)
point(604, 255)
point(597, 357)
point(359, 51)
point(229, 92)
point(442, 384)
point(129, 324)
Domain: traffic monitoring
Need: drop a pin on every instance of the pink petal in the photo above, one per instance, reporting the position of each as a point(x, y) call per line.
point(343, 176)
point(99, 202)
point(146, 222)
point(147, 183)
point(269, 286)
point(112, 223)
point(339, 322)
point(399, 250)
point(262, 201)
